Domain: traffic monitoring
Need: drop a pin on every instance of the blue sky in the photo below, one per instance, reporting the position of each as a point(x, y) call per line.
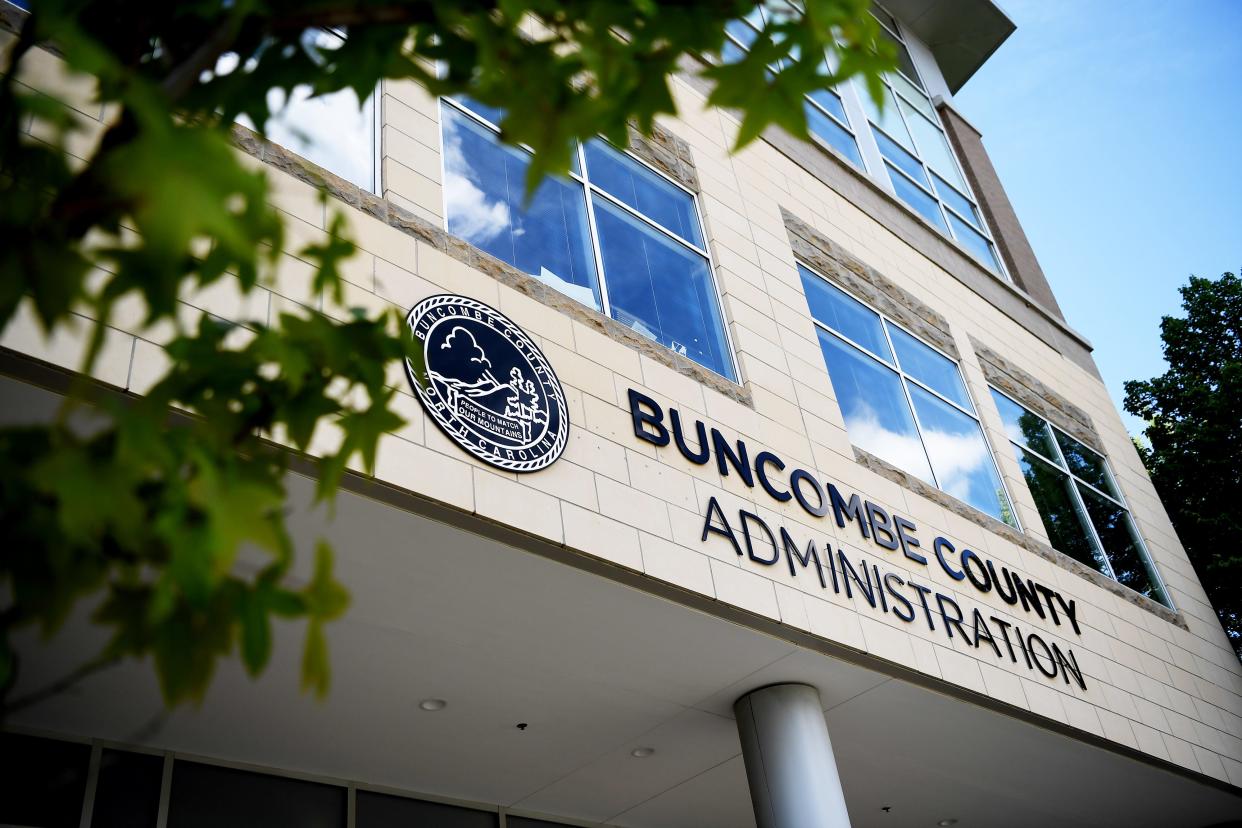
point(1116, 129)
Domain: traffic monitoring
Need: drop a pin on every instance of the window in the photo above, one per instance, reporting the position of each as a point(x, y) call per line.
point(1078, 500)
point(905, 149)
point(613, 235)
point(825, 111)
point(44, 781)
point(208, 796)
point(916, 156)
point(334, 131)
point(127, 791)
point(377, 810)
point(903, 400)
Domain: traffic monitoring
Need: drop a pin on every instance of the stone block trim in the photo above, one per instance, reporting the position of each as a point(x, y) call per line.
point(1037, 396)
point(1043, 550)
point(403, 220)
point(667, 153)
point(829, 259)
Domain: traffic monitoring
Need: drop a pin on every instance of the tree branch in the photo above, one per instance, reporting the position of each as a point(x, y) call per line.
point(95, 665)
point(352, 16)
point(186, 74)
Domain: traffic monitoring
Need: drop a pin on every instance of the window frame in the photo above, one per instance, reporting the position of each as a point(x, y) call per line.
point(876, 166)
point(377, 125)
point(590, 191)
point(903, 377)
point(850, 115)
point(1080, 507)
point(376, 119)
point(883, 166)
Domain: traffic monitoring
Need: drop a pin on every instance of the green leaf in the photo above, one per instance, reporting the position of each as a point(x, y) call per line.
point(316, 672)
point(256, 632)
point(328, 256)
point(147, 513)
point(325, 597)
point(363, 429)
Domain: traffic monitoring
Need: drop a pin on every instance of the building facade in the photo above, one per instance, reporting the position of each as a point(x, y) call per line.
point(755, 488)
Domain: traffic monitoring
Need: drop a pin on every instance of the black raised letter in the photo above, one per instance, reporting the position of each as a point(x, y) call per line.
point(982, 582)
point(1070, 667)
point(726, 456)
point(767, 458)
point(812, 554)
point(939, 545)
point(655, 419)
point(880, 529)
point(1028, 595)
point(1012, 597)
point(713, 508)
point(950, 623)
point(848, 572)
point(795, 482)
point(705, 451)
point(853, 510)
point(747, 517)
point(905, 532)
point(889, 578)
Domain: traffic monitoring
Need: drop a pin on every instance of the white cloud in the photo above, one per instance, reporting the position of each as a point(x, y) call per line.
point(334, 131)
point(475, 217)
point(902, 450)
point(958, 458)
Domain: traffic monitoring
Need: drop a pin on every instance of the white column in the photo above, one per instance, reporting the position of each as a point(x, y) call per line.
point(789, 763)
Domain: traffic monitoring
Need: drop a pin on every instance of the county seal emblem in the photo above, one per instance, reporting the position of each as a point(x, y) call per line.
point(486, 383)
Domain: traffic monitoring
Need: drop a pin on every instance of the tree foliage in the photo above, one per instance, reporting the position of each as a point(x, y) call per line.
point(146, 513)
point(1194, 427)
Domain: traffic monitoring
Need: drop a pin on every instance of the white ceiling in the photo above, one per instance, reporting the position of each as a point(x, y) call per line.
point(595, 669)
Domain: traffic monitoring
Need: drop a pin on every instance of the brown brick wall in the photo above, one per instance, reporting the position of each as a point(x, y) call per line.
point(997, 210)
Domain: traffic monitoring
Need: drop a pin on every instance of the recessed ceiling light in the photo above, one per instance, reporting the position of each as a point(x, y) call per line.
point(944, 822)
point(642, 752)
point(432, 705)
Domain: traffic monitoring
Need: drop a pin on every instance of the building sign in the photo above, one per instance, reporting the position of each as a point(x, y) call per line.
point(486, 383)
point(875, 586)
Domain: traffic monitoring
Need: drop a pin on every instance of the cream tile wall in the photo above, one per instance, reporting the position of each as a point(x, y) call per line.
point(1152, 686)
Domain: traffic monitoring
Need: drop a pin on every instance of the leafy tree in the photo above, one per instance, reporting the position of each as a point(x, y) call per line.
point(146, 513)
point(1194, 427)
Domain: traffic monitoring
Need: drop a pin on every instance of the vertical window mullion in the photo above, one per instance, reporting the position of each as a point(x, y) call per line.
point(905, 390)
point(1000, 475)
point(725, 324)
point(92, 785)
point(1079, 504)
point(873, 160)
point(1095, 536)
point(605, 305)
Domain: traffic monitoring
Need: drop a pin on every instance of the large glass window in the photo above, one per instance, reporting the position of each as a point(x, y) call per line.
point(127, 792)
point(903, 400)
point(917, 157)
point(825, 112)
point(614, 234)
point(905, 148)
point(44, 781)
point(377, 810)
point(335, 131)
point(208, 796)
point(1078, 500)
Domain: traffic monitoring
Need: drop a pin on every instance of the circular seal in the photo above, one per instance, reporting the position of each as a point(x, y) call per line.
point(486, 383)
